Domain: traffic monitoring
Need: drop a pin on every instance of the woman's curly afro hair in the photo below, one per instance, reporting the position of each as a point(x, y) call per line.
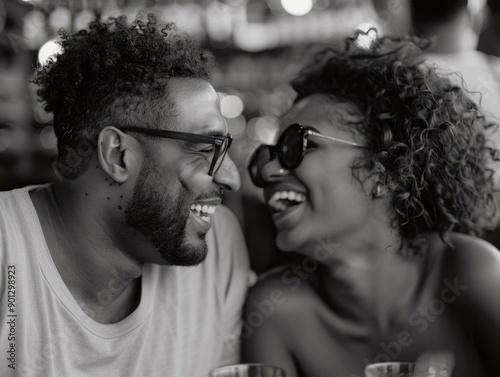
point(115, 73)
point(426, 140)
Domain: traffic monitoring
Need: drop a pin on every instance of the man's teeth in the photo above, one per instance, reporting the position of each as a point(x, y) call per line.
point(292, 196)
point(205, 209)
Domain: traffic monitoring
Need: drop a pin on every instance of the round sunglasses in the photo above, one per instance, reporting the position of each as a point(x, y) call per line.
point(290, 150)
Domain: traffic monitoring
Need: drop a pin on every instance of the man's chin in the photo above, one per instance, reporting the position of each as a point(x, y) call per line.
point(189, 254)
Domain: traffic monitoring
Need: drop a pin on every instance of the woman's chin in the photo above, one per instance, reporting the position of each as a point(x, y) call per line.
point(287, 241)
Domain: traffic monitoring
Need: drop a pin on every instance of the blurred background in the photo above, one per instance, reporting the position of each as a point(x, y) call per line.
point(259, 46)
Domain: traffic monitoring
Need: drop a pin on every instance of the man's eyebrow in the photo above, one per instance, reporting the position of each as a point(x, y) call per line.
point(214, 134)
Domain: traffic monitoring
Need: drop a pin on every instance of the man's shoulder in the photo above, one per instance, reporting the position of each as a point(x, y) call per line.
point(8, 204)
point(223, 216)
point(13, 197)
point(225, 226)
point(226, 240)
point(7, 196)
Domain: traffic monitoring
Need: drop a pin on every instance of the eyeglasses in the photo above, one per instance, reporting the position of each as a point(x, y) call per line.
point(221, 144)
point(290, 150)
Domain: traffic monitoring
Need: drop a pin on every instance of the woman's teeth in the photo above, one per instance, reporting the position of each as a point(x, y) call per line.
point(282, 200)
point(203, 211)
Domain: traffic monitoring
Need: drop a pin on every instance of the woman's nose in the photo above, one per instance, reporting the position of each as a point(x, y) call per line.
point(273, 171)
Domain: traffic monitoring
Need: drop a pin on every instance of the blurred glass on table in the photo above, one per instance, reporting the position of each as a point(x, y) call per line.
point(394, 369)
point(248, 370)
point(429, 364)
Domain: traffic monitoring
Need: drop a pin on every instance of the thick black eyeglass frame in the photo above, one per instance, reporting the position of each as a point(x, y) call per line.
point(280, 149)
point(217, 142)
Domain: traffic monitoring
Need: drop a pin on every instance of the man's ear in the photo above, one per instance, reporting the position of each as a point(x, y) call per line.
point(114, 150)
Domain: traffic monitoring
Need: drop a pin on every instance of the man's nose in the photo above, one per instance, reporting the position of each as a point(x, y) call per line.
point(273, 171)
point(228, 175)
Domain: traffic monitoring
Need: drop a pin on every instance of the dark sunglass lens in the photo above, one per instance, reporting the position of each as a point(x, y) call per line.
point(290, 148)
point(260, 158)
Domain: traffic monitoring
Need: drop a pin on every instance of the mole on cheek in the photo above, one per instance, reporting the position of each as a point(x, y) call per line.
point(120, 208)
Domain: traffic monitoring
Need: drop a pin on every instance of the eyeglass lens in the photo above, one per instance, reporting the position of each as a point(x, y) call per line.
point(222, 153)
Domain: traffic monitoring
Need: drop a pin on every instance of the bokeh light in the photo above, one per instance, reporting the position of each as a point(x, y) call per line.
point(83, 18)
point(321, 4)
point(49, 50)
point(365, 26)
point(236, 126)
point(297, 7)
point(275, 103)
point(48, 139)
point(60, 18)
point(231, 106)
point(41, 116)
point(218, 20)
point(254, 37)
point(264, 130)
point(34, 29)
point(366, 40)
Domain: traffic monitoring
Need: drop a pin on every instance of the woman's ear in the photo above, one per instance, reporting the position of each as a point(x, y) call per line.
point(114, 150)
point(375, 187)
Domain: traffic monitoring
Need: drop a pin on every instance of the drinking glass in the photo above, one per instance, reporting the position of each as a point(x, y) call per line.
point(248, 370)
point(395, 369)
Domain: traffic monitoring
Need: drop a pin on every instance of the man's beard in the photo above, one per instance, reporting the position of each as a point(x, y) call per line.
point(163, 220)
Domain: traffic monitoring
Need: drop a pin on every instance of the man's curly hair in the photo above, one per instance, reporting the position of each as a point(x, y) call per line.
point(115, 73)
point(426, 140)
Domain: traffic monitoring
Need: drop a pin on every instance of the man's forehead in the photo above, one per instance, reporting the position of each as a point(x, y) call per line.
point(192, 89)
point(197, 107)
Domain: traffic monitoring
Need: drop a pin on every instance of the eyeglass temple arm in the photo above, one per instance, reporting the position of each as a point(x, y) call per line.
point(312, 133)
point(183, 136)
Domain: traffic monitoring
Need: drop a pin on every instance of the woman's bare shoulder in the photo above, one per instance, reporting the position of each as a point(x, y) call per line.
point(476, 264)
point(477, 269)
point(471, 252)
point(287, 289)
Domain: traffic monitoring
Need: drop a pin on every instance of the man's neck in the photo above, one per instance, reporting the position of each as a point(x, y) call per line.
point(455, 36)
point(102, 278)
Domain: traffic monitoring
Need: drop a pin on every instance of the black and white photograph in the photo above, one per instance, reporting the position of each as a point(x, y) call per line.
point(249, 188)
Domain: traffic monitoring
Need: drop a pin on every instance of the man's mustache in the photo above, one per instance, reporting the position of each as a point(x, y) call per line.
point(216, 193)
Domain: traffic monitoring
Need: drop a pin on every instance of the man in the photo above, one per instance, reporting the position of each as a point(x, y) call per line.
point(91, 283)
point(454, 26)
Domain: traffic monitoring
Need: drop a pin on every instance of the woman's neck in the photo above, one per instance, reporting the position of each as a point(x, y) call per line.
point(367, 283)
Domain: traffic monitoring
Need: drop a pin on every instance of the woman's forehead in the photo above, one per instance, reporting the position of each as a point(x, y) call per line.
point(322, 113)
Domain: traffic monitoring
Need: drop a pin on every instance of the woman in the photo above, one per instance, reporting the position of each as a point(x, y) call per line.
point(381, 180)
